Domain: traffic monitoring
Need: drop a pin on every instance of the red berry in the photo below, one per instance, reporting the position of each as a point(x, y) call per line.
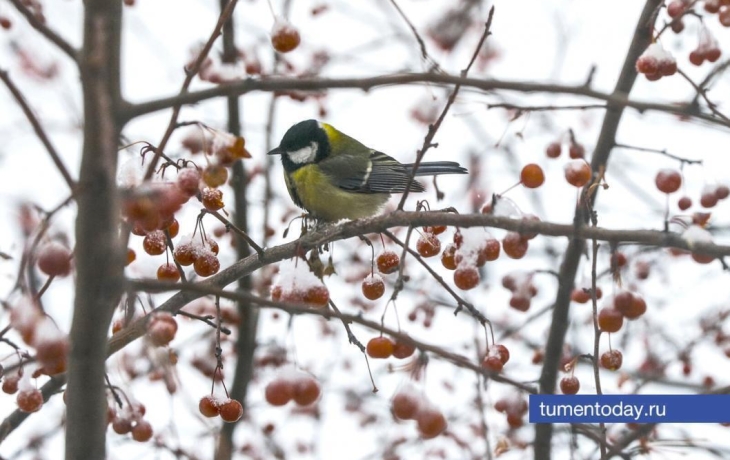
point(155, 243)
point(448, 257)
point(208, 406)
point(188, 181)
point(431, 423)
point(30, 400)
point(577, 173)
point(317, 296)
point(708, 200)
point(388, 262)
point(142, 431)
point(519, 302)
point(576, 151)
point(206, 263)
point(532, 176)
point(121, 425)
point(168, 272)
point(231, 410)
point(284, 36)
point(279, 392)
point(553, 150)
point(684, 203)
point(623, 300)
point(306, 391)
point(612, 360)
point(722, 192)
point(161, 328)
point(724, 16)
point(54, 259)
point(10, 384)
point(405, 405)
point(380, 347)
point(668, 180)
point(636, 309)
point(503, 353)
point(212, 199)
point(713, 54)
point(491, 250)
point(514, 245)
point(580, 295)
point(5, 23)
point(492, 363)
point(696, 57)
point(675, 8)
point(131, 255)
point(402, 350)
point(610, 320)
point(569, 385)
point(466, 277)
point(428, 245)
point(436, 229)
point(647, 65)
point(373, 287)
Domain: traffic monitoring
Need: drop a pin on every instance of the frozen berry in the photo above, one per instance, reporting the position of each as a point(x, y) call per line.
point(431, 423)
point(54, 259)
point(373, 287)
point(231, 410)
point(428, 245)
point(279, 392)
point(577, 173)
point(305, 391)
point(208, 406)
point(466, 277)
point(668, 180)
point(405, 406)
point(569, 385)
point(168, 272)
point(142, 431)
point(612, 360)
point(553, 150)
point(388, 262)
point(610, 320)
point(284, 36)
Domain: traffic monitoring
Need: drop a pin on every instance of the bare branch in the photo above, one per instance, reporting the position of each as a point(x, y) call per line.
point(249, 85)
point(191, 73)
point(44, 30)
point(37, 128)
point(432, 129)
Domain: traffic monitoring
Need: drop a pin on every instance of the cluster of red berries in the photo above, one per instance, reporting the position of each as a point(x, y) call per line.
point(624, 304)
point(408, 404)
point(228, 409)
point(583, 294)
point(711, 194)
point(707, 49)
point(655, 62)
point(297, 285)
point(202, 255)
point(131, 420)
point(576, 150)
point(514, 408)
point(39, 331)
point(522, 288)
point(385, 347)
point(721, 8)
point(496, 357)
point(316, 295)
point(161, 328)
point(291, 385)
point(29, 398)
point(471, 248)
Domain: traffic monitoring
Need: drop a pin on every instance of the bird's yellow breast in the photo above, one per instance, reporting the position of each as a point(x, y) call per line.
point(312, 190)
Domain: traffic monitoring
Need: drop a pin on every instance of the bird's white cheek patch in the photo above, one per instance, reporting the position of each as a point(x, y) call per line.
point(305, 154)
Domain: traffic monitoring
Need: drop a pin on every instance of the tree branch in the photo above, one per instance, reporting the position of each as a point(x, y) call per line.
point(276, 84)
point(606, 141)
point(44, 30)
point(40, 132)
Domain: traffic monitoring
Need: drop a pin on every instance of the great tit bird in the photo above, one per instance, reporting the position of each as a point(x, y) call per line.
point(333, 176)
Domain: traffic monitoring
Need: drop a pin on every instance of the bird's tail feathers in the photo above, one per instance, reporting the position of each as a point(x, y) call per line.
point(437, 167)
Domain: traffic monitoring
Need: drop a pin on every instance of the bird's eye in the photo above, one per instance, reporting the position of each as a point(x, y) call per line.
point(305, 154)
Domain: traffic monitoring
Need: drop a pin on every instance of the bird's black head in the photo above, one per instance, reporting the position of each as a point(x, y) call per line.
point(304, 143)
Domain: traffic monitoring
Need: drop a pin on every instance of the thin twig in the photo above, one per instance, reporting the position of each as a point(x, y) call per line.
point(44, 30)
point(190, 74)
point(660, 151)
point(432, 129)
point(40, 132)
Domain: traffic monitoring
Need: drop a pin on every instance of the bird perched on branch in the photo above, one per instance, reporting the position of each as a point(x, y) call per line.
point(333, 176)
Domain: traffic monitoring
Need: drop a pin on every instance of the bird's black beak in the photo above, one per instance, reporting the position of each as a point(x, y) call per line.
point(276, 151)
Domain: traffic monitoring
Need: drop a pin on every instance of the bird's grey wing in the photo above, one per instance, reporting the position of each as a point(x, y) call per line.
point(379, 173)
